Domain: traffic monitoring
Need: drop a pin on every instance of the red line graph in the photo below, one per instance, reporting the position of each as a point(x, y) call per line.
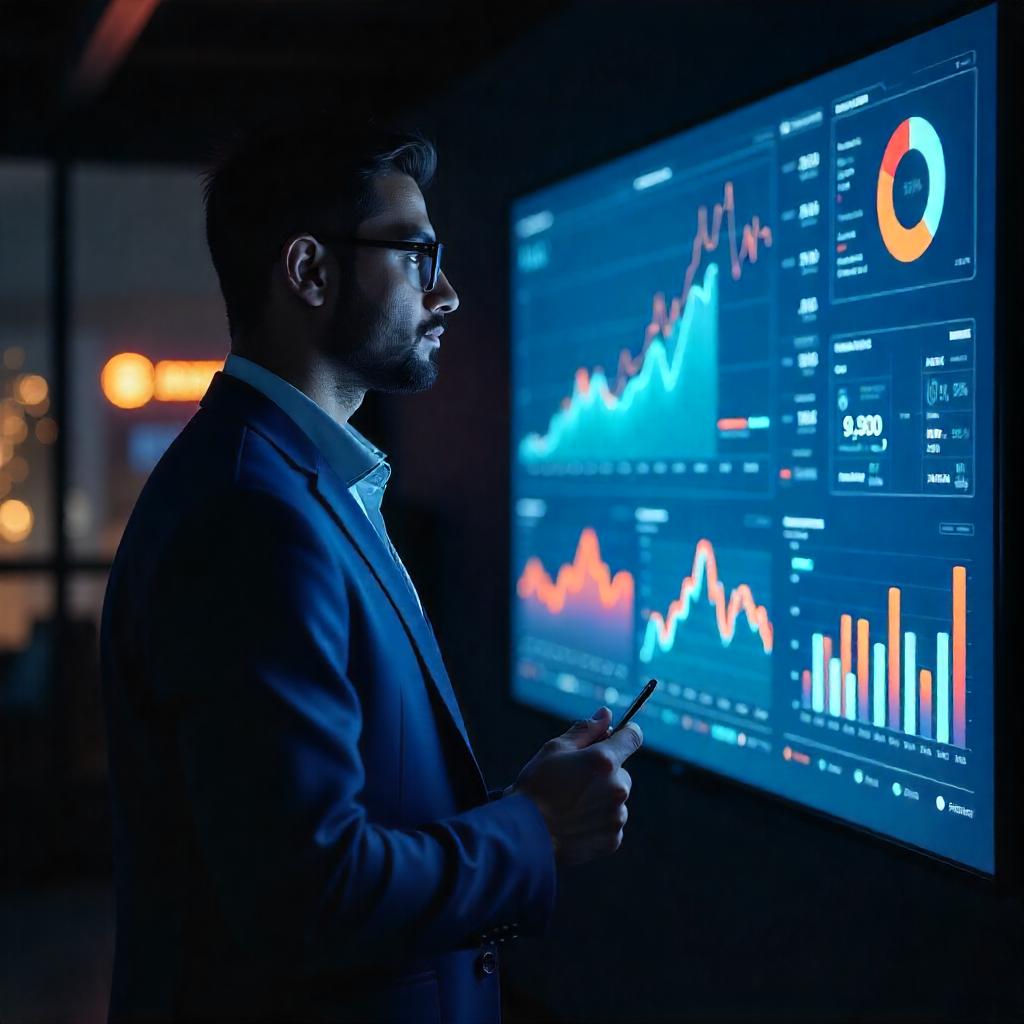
point(743, 248)
point(740, 601)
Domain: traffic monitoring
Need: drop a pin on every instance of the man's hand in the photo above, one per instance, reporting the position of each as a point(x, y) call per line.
point(581, 788)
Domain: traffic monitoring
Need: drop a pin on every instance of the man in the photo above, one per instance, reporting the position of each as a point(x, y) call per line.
point(302, 831)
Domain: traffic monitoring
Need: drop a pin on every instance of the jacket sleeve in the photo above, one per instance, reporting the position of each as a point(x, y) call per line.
point(247, 655)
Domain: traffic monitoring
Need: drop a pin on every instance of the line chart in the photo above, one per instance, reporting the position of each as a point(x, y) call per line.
point(661, 631)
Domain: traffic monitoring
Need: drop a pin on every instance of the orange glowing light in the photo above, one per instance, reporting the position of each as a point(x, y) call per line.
point(16, 521)
point(32, 389)
point(181, 380)
point(130, 380)
point(127, 380)
point(14, 428)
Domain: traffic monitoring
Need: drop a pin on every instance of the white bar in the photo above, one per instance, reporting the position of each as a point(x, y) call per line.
point(817, 673)
point(652, 178)
point(835, 682)
point(878, 682)
point(942, 688)
point(909, 683)
point(851, 696)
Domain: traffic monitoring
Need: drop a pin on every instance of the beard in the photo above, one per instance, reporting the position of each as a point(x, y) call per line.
point(370, 343)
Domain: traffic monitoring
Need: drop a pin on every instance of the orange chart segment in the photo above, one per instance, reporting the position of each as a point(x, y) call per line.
point(586, 580)
point(582, 605)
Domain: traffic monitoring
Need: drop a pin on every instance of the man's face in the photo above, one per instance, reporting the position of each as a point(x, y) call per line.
point(384, 326)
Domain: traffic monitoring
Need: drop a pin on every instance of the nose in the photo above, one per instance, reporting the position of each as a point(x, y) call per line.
point(442, 298)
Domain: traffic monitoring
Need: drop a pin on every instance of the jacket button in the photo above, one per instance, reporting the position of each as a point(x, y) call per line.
point(488, 962)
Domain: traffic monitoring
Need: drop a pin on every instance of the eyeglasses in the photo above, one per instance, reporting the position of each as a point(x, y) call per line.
point(429, 268)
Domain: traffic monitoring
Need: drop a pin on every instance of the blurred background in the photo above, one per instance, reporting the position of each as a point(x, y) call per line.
point(721, 904)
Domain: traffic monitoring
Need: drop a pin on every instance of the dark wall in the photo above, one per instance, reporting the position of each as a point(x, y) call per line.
point(721, 903)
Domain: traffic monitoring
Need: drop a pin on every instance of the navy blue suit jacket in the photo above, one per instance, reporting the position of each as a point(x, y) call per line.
point(302, 831)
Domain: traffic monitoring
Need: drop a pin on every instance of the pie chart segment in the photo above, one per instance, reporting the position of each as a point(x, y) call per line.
point(908, 244)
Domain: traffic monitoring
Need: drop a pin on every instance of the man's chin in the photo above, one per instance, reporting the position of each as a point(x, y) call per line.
point(417, 374)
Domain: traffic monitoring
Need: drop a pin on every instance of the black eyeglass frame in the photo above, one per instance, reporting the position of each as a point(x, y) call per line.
point(431, 249)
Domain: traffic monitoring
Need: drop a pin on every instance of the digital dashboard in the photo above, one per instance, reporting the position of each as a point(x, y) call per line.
point(753, 444)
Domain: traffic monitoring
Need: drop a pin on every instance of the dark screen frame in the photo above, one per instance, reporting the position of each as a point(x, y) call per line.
point(1008, 702)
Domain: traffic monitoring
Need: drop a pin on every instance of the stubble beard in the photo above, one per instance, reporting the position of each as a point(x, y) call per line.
point(367, 342)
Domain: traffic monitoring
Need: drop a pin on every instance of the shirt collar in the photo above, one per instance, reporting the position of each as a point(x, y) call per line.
point(349, 454)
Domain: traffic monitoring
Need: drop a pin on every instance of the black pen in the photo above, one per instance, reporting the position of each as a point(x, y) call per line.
point(636, 705)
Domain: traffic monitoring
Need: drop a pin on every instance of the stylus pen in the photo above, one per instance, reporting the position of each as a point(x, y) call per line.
point(636, 705)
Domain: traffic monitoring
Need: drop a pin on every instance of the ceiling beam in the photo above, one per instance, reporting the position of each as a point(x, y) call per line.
point(119, 25)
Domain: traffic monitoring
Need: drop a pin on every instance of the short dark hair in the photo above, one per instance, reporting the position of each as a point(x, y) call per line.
point(286, 177)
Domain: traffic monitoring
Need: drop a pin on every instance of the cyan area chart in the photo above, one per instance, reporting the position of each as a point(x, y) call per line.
point(750, 445)
point(657, 347)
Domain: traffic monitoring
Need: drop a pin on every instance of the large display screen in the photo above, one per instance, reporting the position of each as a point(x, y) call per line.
point(753, 442)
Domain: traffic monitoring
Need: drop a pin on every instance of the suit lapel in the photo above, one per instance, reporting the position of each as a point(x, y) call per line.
point(333, 492)
point(229, 395)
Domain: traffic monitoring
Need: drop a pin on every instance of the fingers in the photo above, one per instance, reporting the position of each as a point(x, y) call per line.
point(622, 786)
point(580, 849)
point(585, 731)
point(624, 743)
point(601, 806)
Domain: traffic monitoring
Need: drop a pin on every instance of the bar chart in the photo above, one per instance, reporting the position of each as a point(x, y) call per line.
point(889, 677)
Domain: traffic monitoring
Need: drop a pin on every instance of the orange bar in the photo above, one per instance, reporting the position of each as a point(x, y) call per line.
point(959, 655)
point(733, 423)
point(845, 656)
point(805, 683)
point(826, 654)
point(894, 657)
point(925, 724)
point(863, 668)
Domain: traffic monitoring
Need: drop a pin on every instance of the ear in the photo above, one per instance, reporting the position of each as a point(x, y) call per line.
point(303, 260)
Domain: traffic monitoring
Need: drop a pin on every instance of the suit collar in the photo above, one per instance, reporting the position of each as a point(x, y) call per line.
point(236, 398)
point(351, 456)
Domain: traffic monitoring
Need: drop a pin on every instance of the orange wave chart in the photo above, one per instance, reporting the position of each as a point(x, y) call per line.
point(585, 605)
point(661, 632)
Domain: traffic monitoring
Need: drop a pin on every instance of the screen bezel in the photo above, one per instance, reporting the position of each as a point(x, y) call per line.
point(1007, 705)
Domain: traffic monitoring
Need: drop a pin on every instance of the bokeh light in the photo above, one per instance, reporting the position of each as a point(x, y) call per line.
point(32, 389)
point(127, 380)
point(16, 520)
point(14, 428)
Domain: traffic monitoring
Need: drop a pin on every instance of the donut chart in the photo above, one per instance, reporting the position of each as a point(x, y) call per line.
point(908, 244)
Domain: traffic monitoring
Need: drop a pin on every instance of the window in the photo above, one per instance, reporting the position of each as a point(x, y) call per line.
point(28, 429)
point(148, 332)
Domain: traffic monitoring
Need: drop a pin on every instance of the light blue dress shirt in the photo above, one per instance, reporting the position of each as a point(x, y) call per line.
point(362, 466)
